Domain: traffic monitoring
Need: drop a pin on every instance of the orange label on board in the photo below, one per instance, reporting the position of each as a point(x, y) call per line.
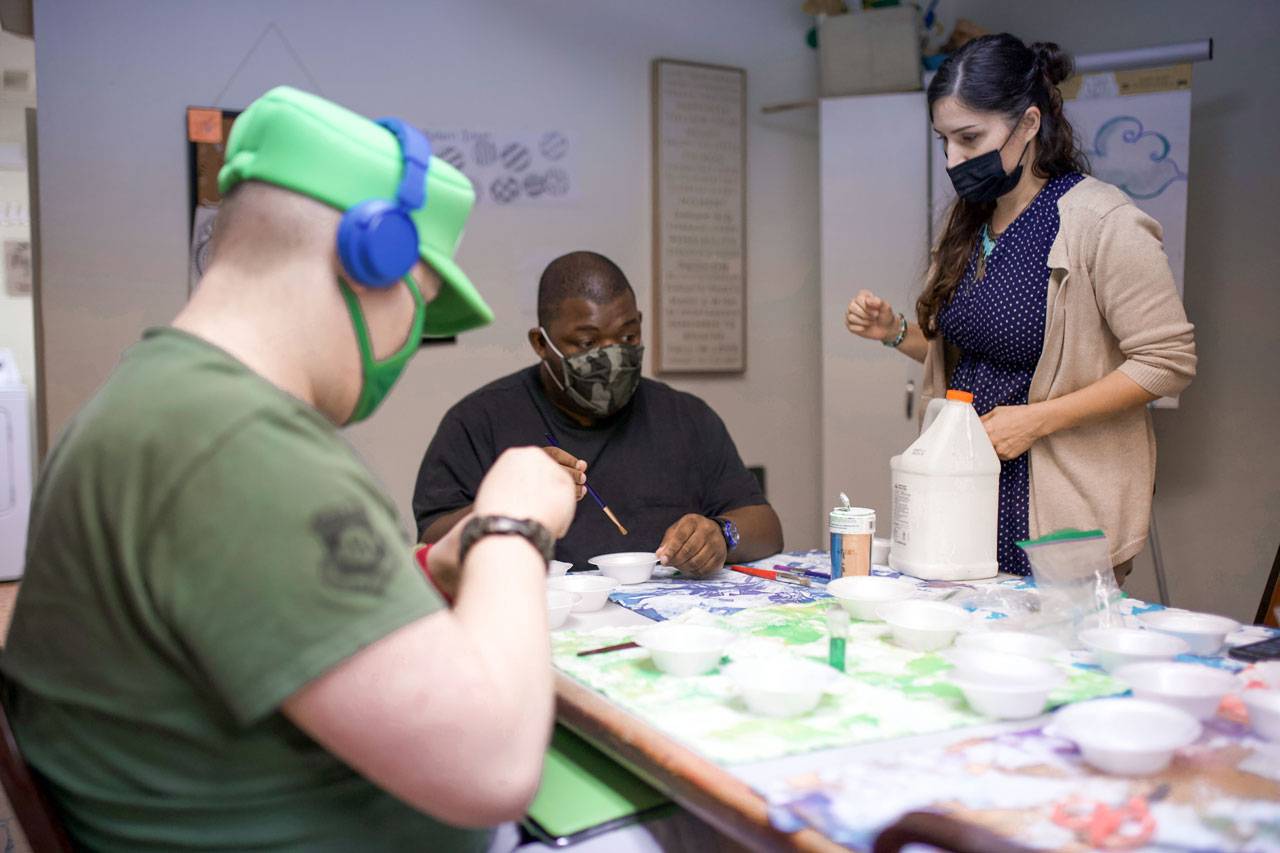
point(204, 125)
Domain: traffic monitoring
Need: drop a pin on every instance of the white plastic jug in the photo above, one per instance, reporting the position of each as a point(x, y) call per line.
point(946, 497)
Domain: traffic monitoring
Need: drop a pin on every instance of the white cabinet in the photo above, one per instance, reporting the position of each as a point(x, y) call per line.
point(874, 178)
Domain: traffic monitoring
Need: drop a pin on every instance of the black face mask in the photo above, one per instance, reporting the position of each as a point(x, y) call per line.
point(983, 178)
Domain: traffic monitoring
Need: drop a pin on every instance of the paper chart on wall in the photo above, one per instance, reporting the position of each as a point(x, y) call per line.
point(512, 168)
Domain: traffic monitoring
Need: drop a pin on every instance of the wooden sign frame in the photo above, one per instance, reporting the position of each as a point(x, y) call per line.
point(712, 307)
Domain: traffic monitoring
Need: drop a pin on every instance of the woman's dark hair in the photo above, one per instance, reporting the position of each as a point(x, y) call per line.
point(997, 74)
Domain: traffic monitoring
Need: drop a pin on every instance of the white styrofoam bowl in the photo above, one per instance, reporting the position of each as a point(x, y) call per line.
point(1128, 737)
point(1021, 643)
point(684, 649)
point(1116, 647)
point(779, 686)
point(1192, 687)
point(1264, 712)
point(592, 590)
point(627, 567)
point(984, 663)
point(861, 595)
point(557, 568)
point(559, 603)
point(1204, 633)
point(923, 626)
point(1004, 698)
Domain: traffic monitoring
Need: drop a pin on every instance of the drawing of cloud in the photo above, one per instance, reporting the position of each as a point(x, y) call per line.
point(1133, 158)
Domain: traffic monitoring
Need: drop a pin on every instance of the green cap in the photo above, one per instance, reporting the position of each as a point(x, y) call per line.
point(311, 146)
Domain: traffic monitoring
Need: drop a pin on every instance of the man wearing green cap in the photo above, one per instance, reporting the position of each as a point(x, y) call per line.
point(222, 641)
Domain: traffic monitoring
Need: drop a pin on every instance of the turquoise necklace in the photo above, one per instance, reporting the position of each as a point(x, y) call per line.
point(988, 246)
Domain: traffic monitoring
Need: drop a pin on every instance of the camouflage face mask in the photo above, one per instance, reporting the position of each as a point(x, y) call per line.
point(601, 380)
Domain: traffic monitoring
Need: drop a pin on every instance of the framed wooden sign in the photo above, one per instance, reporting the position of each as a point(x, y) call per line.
point(699, 218)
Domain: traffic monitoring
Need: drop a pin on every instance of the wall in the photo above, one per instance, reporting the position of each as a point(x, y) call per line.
point(1218, 480)
point(114, 201)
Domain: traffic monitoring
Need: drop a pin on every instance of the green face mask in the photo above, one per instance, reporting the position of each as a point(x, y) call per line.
point(377, 377)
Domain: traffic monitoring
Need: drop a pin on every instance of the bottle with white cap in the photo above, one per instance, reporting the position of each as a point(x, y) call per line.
point(852, 529)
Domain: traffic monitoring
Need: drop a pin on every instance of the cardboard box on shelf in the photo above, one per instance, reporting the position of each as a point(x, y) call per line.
point(876, 50)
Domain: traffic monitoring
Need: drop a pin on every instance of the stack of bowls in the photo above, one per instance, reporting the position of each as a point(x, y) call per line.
point(592, 590)
point(1002, 685)
point(559, 603)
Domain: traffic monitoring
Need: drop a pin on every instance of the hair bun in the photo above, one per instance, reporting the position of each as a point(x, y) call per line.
point(1053, 63)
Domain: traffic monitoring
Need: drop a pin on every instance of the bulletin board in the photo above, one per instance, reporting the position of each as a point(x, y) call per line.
point(699, 218)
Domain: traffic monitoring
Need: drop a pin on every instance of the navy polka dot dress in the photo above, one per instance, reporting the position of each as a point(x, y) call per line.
point(997, 322)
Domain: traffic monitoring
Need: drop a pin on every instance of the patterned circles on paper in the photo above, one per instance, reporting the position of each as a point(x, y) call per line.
point(486, 153)
point(534, 184)
point(505, 190)
point(553, 145)
point(453, 156)
point(516, 157)
point(557, 182)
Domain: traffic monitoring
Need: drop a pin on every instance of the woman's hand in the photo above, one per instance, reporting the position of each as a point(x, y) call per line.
point(869, 316)
point(1013, 429)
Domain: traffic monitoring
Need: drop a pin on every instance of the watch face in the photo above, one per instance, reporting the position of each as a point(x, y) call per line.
point(730, 532)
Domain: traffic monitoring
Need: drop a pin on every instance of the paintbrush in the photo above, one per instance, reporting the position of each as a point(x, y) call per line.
point(551, 439)
point(617, 647)
point(774, 575)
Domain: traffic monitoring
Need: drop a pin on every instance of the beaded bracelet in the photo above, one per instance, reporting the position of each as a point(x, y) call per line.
point(902, 333)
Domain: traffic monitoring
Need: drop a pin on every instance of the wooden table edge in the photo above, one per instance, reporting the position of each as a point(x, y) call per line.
point(709, 791)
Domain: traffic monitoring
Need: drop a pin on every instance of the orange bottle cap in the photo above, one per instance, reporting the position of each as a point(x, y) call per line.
point(962, 396)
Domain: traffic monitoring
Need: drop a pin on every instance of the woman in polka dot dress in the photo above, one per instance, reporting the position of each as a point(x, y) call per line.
point(1049, 298)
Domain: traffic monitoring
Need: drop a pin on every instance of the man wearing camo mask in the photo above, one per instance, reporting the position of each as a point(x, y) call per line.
point(661, 458)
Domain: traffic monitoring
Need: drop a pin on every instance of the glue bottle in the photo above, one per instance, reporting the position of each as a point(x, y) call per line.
point(852, 529)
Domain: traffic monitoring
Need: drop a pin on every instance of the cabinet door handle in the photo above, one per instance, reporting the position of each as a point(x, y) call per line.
point(911, 398)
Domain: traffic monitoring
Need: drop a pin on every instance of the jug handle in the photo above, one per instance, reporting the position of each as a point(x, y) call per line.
point(931, 411)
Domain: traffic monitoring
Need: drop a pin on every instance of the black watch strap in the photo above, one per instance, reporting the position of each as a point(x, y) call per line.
point(501, 525)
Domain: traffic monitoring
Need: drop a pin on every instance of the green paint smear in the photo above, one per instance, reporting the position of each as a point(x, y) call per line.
point(927, 665)
point(938, 689)
point(791, 633)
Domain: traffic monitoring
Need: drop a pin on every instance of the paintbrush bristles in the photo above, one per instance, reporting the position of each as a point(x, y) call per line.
point(614, 519)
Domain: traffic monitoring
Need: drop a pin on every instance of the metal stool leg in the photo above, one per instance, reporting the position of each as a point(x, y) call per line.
point(1153, 537)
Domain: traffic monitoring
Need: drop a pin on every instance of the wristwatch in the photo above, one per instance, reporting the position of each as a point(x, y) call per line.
point(730, 532)
point(501, 525)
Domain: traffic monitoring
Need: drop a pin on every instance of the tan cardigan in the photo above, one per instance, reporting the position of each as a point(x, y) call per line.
point(1111, 305)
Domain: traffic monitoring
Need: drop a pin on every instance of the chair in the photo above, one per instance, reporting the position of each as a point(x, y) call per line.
point(35, 814)
point(1270, 597)
point(944, 833)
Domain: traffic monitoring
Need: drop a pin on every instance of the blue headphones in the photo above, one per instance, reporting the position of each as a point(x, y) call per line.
point(377, 239)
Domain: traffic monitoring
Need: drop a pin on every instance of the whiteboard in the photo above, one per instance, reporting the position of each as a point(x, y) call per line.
point(1140, 143)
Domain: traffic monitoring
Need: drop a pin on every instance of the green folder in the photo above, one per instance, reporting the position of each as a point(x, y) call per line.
point(584, 792)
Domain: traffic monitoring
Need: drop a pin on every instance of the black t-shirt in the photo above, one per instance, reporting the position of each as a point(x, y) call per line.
point(664, 455)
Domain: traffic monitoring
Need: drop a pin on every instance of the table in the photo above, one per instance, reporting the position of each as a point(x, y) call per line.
point(724, 796)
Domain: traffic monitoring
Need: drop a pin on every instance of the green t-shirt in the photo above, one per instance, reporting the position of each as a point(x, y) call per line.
point(201, 546)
